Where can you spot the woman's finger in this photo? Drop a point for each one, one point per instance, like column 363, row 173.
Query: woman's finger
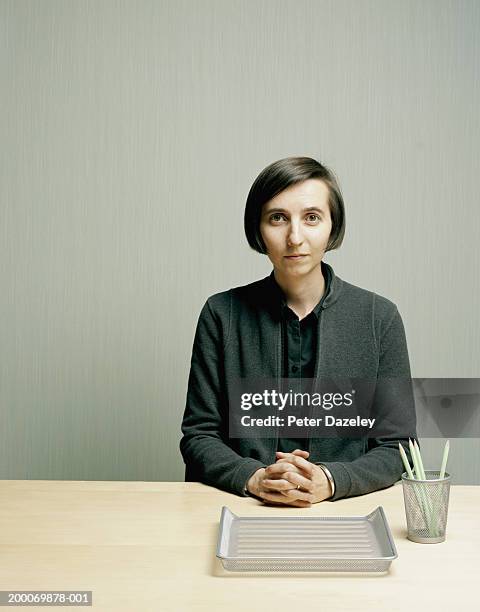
column 301, row 453
column 277, row 469
column 298, row 494
column 278, row 498
column 277, row 484
column 296, row 479
column 288, row 480
column 299, row 462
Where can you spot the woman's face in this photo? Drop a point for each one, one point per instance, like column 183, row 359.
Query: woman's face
column 295, row 227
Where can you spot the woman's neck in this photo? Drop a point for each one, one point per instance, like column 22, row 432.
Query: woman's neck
column 302, row 293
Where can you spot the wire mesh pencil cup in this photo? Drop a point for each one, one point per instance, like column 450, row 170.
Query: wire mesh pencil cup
column 426, row 507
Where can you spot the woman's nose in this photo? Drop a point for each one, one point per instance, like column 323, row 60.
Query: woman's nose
column 294, row 236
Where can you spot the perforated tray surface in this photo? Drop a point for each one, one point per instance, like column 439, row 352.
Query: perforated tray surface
column 320, row 543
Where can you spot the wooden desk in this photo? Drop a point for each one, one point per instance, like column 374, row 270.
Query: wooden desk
column 151, row 546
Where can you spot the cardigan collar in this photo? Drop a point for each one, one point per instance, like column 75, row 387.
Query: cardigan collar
column 276, row 297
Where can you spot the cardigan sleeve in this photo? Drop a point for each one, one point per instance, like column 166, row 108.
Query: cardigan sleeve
column 207, row 457
column 381, row 465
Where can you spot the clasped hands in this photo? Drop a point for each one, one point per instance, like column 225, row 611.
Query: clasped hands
column 290, row 481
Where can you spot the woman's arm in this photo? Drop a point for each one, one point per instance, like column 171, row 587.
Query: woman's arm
column 207, row 456
column 381, row 465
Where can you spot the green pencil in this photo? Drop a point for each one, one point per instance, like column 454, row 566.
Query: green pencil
column 403, row 454
column 444, row 460
column 420, row 462
column 413, row 453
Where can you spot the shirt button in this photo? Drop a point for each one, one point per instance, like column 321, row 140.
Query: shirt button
column 294, row 368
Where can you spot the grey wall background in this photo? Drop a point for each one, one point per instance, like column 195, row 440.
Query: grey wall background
column 130, row 135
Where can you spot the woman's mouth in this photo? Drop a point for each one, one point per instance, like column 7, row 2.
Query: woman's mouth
column 295, row 257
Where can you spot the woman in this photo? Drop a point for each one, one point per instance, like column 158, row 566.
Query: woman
column 301, row 321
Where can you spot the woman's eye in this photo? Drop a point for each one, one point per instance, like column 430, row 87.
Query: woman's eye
column 276, row 217
column 313, row 218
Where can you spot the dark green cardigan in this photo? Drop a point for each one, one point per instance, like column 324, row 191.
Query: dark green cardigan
column 238, row 335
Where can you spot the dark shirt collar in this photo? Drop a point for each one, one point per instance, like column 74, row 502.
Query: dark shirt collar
column 279, row 297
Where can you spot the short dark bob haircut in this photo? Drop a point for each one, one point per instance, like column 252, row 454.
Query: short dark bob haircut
column 279, row 176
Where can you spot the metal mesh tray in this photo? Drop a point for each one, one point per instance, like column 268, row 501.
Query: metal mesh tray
column 320, row 543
